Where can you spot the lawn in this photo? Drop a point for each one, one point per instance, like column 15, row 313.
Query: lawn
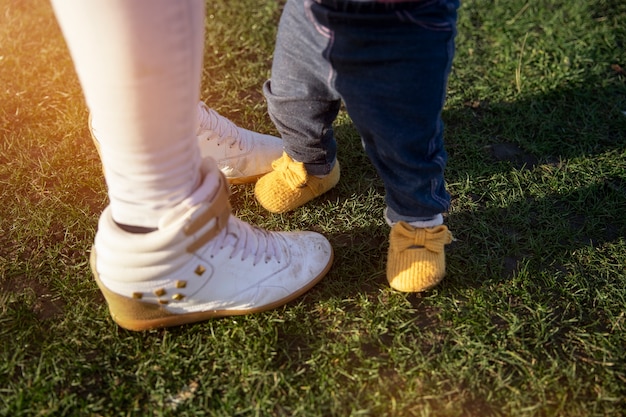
column 530, row 320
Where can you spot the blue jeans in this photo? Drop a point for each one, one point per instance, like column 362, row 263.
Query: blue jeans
column 389, row 64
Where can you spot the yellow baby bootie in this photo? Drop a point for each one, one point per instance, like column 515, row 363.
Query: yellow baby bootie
column 289, row 186
column 416, row 260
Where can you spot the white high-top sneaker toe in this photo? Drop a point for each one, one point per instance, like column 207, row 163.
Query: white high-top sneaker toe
column 202, row 263
column 242, row 155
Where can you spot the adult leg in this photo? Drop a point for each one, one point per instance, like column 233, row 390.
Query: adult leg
column 139, row 66
column 167, row 250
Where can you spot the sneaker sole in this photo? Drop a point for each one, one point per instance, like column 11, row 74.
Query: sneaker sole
column 132, row 314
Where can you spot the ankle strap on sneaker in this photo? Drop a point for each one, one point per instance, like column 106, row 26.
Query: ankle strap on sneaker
column 219, row 210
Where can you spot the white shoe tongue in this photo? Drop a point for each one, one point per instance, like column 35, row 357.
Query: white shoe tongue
column 205, row 192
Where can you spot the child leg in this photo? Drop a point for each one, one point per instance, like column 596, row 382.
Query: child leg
column 303, row 106
column 392, row 63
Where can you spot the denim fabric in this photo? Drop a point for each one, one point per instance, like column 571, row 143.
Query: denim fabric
column 389, row 63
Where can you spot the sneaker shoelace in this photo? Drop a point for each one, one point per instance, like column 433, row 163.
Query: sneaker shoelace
column 249, row 240
column 220, row 128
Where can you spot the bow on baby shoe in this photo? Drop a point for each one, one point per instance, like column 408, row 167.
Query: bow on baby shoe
column 434, row 239
column 294, row 173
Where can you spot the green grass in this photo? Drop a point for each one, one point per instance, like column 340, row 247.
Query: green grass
column 530, row 321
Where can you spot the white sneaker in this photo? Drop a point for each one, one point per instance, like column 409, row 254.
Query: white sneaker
column 202, row 263
column 242, row 155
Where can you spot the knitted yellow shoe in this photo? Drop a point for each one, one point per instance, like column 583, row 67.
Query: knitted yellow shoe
column 289, row 186
column 416, row 259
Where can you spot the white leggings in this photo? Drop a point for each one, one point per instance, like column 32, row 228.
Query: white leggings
column 139, row 63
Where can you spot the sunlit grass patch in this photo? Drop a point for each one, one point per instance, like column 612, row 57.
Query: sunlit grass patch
column 530, row 320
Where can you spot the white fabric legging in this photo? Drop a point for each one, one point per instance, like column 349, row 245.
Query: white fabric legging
column 139, row 63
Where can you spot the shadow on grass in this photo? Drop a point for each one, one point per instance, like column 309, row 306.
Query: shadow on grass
column 540, row 137
column 539, row 241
